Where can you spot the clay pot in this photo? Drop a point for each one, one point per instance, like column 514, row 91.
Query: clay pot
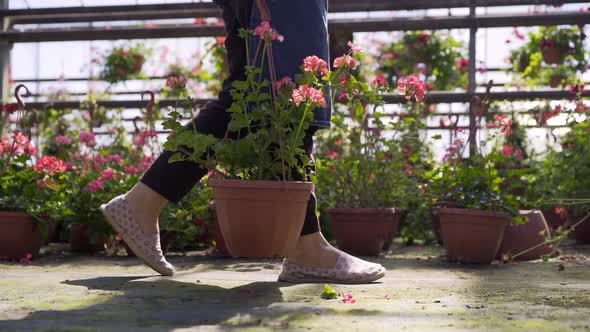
column 582, row 231
column 472, row 236
column 216, row 235
column 19, row 235
column 81, row 241
column 260, row 219
column 391, row 226
column 52, row 232
column 436, row 226
column 364, row 232
column 519, row 238
column 555, row 81
column 553, row 55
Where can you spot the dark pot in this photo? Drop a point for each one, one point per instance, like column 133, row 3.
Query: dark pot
column 472, row 236
column 52, row 232
column 364, row 232
column 519, row 238
column 436, row 226
column 582, row 231
column 554, row 219
column 553, row 55
column 19, row 235
column 81, row 241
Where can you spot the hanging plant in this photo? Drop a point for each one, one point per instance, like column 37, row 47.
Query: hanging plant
column 124, row 63
column 560, row 49
column 438, row 57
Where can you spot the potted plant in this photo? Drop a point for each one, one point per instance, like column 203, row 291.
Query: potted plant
column 27, row 191
column 364, row 176
column 257, row 179
column 559, row 47
column 440, row 58
column 124, row 63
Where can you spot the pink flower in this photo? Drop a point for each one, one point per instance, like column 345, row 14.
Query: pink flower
column 267, row 33
column 63, row 140
column 518, row 34
column 508, row 150
column 345, row 61
column 115, row 158
column 354, row 48
column 462, row 64
column 146, row 162
column 26, row 260
column 50, row 165
column 107, row 174
column 380, row 80
column 501, row 122
column 285, row 84
column 307, row 94
column 547, row 43
column 8, row 108
column 348, row 298
column 333, row 154
column 94, row 186
column 87, row 138
column 315, row 65
column 412, row 87
column 143, row 137
column 176, row 82
column 132, row 170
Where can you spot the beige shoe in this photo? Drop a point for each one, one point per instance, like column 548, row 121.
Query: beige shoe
column 348, row 270
column 145, row 246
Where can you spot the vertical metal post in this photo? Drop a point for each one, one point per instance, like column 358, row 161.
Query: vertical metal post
column 472, row 84
column 5, row 48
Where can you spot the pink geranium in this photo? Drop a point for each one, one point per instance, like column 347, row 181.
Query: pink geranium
column 380, row 80
column 87, row 138
column 132, row 170
column 63, row 140
column 267, row 33
column 308, row 94
column 96, row 185
column 315, row 65
column 50, row 165
column 354, row 48
column 345, row 61
column 176, row 82
column 412, row 87
column 285, row 84
column 107, row 174
column 501, row 122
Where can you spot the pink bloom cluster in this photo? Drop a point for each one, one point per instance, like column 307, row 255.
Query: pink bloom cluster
column 88, row 138
column 348, row 298
column 345, row 61
column 412, row 87
column 380, row 80
column 142, row 138
column 305, row 93
column 315, row 65
column 462, row 64
column 509, row 151
column 63, row 140
column 50, row 165
column 146, row 162
column 132, row 170
column 176, row 82
column 267, row 33
column 94, row 186
column 502, row 123
column 285, row 84
column 354, row 48
column 8, row 108
column 17, row 145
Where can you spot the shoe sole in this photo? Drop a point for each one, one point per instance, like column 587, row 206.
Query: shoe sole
column 103, row 209
column 313, row 280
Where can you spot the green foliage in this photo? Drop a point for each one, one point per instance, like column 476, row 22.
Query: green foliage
column 441, row 55
column 528, row 59
column 329, row 293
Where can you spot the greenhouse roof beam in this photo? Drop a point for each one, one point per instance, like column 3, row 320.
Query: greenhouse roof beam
column 356, row 25
column 433, row 97
column 208, row 9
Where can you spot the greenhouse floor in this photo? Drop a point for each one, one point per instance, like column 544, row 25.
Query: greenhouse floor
column 421, row 292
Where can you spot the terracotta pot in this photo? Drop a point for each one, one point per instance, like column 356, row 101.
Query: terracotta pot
column 553, row 55
column 391, row 226
column 555, row 81
column 19, row 235
column 519, row 238
column 52, row 231
column 81, row 242
column 260, row 219
column 582, row 231
column 436, row 226
column 216, row 235
column 363, row 232
column 472, row 236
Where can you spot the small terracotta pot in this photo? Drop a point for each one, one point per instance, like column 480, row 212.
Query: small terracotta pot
column 216, row 235
column 260, row 219
column 582, row 231
column 19, row 235
column 391, row 226
column 519, row 238
column 81, row 242
column 363, row 232
column 472, row 236
column 553, row 55
column 436, row 226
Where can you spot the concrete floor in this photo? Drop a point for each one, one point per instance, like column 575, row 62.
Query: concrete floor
column 421, row 292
